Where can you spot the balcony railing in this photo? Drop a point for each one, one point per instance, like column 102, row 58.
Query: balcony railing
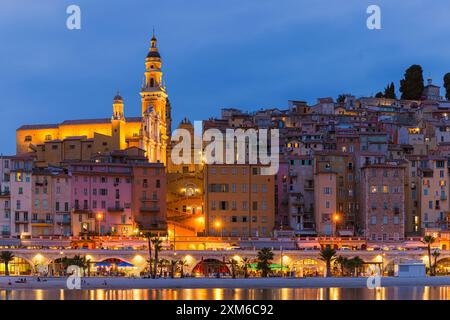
column 44, row 221
column 116, row 209
column 150, row 209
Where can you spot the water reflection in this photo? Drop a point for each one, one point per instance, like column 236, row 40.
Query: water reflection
column 390, row 293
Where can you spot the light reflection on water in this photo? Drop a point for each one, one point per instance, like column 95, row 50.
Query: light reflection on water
column 388, row 293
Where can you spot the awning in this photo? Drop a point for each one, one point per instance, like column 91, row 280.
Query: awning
column 124, row 264
column 103, row 264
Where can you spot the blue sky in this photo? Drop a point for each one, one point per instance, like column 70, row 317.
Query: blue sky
column 234, row 53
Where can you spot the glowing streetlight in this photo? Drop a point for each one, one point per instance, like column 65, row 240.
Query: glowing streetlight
column 336, row 219
column 99, row 218
column 218, row 225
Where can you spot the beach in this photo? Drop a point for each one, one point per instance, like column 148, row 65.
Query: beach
column 193, row 283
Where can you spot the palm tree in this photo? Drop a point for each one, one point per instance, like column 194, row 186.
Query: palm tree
column 182, row 264
column 245, row 266
column 343, row 263
column 264, row 259
column 429, row 240
column 6, row 257
column 356, row 264
column 233, row 264
column 327, row 255
column 435, row 255
column 157, row 246
column 163, row 263
column 173, row 266
column 149, row 236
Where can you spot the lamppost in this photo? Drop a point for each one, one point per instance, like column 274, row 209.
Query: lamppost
column 281, row 260
column 335, row 220
column 218, row 225
column 99, row 219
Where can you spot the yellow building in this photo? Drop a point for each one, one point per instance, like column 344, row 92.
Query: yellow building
column 80, row 139
column 239, row 201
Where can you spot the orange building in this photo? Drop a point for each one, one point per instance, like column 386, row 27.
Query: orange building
column 80, row 139
column 239, row 201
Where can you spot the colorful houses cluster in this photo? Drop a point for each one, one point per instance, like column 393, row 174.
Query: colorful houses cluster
column 366, row 167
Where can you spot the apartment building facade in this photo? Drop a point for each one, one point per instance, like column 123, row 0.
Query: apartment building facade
column 239, row 201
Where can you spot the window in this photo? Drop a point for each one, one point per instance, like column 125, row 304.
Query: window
column 255, row 205
column 396, row 219
column 213, row 205
column 28, row 138
column 385, row 219
column 373, row 220
column 327, row 190
column 254, row 188
column 385, row 189
column 223, row 205
column 263, row 188
column 373, row 189
column 158, row 183
column 263, row 205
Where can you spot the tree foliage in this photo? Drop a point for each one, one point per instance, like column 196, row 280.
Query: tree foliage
column 412, row 85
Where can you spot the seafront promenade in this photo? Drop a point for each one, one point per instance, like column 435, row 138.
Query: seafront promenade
column 195, row 283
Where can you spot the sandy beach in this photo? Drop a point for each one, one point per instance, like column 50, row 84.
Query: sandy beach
column 191, row 283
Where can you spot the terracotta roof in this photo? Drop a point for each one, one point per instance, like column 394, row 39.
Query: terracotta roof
column 74, row 122
column 38, row 126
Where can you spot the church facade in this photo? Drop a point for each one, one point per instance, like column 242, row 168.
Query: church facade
column 79, row 140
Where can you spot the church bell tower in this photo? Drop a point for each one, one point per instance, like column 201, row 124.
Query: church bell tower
column 155, row 107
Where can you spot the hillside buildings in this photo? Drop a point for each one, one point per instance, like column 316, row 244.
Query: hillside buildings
column 366, row 167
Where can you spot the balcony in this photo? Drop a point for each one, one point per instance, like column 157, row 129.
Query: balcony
column 149, row 209
column 150, row 199
column 42, row 221
column 116, row 209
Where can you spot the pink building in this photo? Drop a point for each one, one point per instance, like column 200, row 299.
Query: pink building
column 101, row 198
column 383, row 202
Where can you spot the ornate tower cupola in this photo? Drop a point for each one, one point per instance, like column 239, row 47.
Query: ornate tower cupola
column 118, row 108
column 155, row 107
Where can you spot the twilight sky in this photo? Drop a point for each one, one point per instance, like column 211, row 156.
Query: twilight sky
column 235, row 53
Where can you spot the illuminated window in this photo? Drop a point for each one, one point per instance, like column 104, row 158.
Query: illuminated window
column 385, row 189
column 19, row 177
column 373, row 189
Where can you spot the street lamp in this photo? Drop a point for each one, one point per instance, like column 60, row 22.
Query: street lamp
column 99, row 218
column 336, row 220
column 219, row 225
